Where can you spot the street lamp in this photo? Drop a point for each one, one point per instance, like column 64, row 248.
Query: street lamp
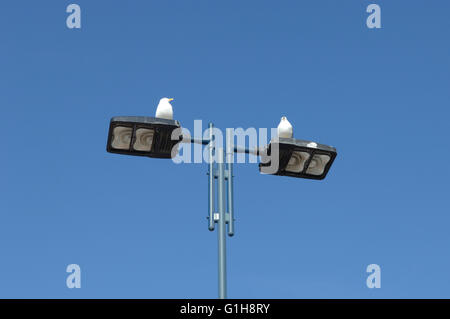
column 298, row 158
column 143, row 136
column 159, row 138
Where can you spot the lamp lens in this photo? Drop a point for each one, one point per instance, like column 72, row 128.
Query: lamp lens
column 144, row 139
column 297, row 162
column 121, row 137
column 317, row 164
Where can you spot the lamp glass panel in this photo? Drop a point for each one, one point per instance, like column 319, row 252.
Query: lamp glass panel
column 144, row 139
column 297, row 162
column 317, row 164
column 121, row 137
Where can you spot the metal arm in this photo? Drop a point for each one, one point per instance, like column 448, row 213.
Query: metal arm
column 188, row 139
column 236, row 149
column 245, row 150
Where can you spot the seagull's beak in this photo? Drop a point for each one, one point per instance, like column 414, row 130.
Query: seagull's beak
column 170, row 100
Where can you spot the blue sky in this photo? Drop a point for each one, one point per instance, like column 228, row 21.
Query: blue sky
column 137, row 226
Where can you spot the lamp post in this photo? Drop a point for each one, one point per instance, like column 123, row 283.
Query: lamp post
column 159, row 138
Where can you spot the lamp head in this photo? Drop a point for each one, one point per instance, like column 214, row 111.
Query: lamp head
column 143, row 136
column 297, row 158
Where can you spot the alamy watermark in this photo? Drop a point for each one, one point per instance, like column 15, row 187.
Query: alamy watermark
column 73, row 21
column 74, row 278
column 374, row 19
column 241, row 145
column 374, row 279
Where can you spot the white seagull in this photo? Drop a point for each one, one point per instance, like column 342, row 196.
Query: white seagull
column 164, row 109
column 285, row 128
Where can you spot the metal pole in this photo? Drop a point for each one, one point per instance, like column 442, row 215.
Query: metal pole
column 230, row 157
column 222, row 222
column 211, row 180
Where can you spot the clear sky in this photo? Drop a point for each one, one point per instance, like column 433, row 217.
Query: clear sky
column 137, row 226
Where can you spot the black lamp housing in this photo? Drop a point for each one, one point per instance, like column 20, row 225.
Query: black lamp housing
column 299, row 158
column 143, row 136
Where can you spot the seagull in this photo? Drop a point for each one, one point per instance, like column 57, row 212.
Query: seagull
column 164, row 109
column 284, row 128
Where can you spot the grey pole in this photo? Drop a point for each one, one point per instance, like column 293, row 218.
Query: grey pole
column 224, row 176
column 230, row 157
column 221, row 233
column 211, row 174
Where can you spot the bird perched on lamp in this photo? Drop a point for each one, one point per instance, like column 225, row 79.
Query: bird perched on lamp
column 164, row 109
column 285, row 129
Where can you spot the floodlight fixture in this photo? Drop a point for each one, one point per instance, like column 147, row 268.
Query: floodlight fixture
column 144, row 136
column 297, row 158
column 159, row 138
